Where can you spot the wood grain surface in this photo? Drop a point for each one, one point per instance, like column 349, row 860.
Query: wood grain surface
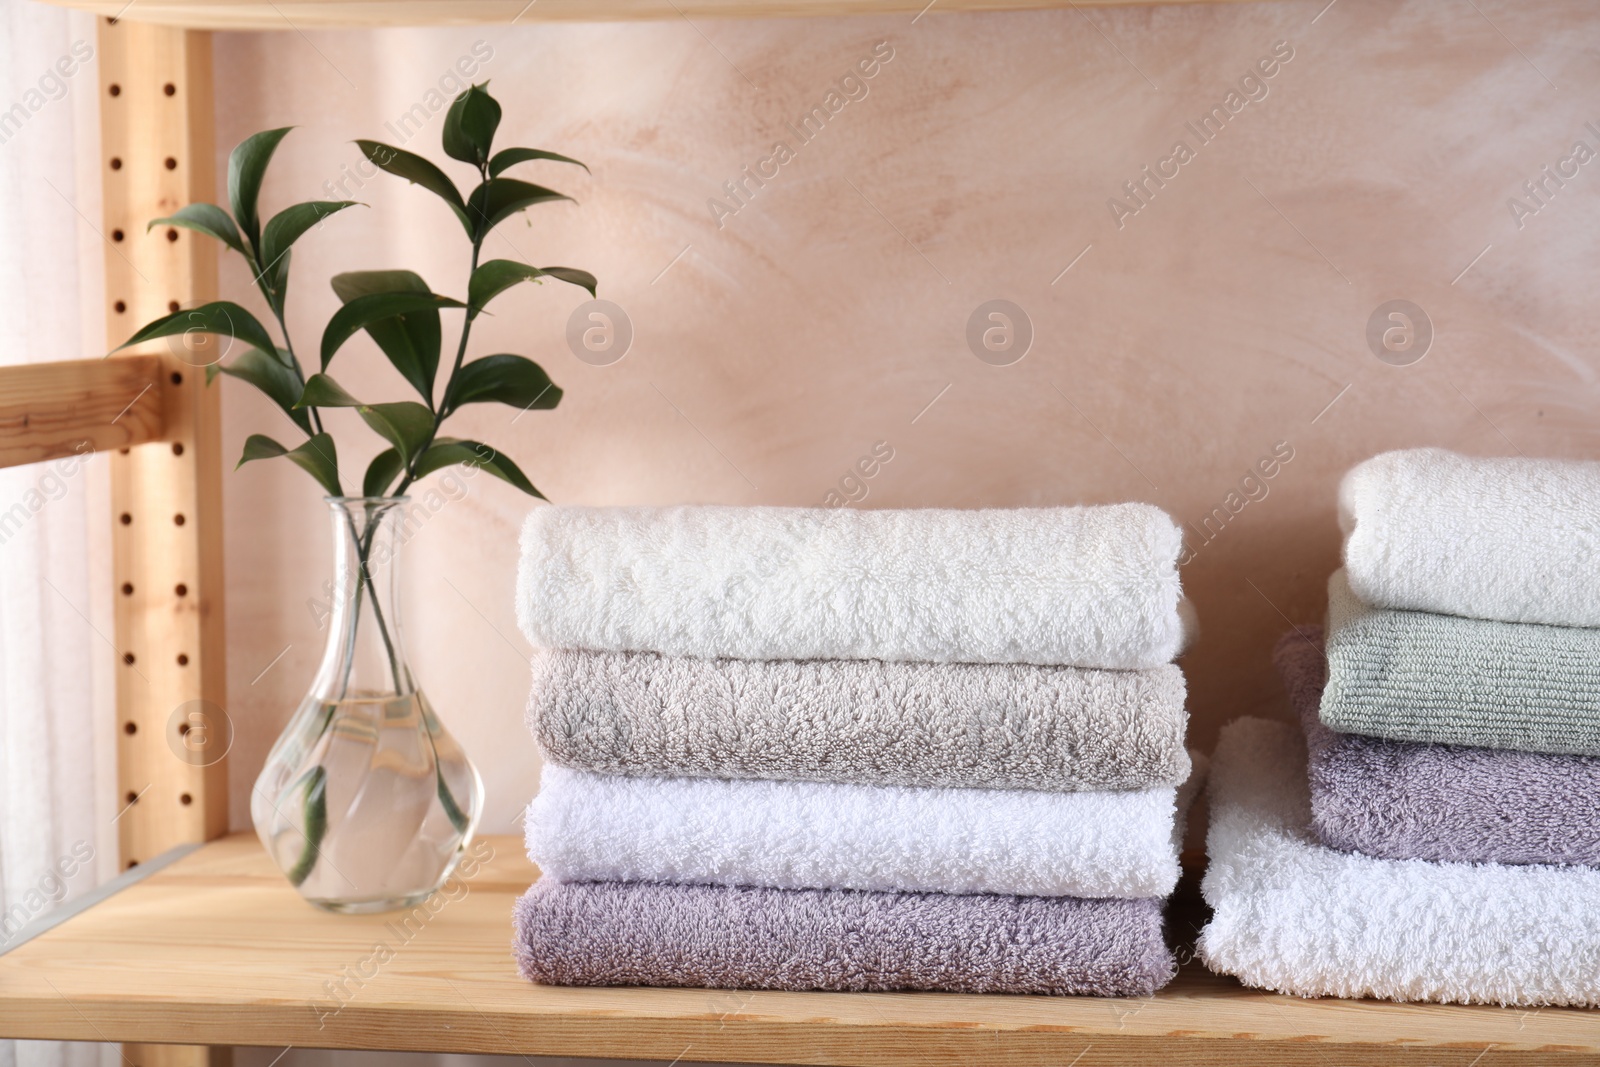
column 217, row 948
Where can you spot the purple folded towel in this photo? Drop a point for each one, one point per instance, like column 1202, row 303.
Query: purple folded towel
column 721, row 937
column 1452, row 803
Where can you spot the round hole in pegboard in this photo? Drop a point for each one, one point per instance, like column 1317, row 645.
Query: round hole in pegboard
column 172, row 306
column 171, row 164
column 116, row 162
column 181, row 589
column 127, row 588
column 130, row 728
column 120, row 306
column 131, row 863
column 127, row 657
column 170, row 89
column 116, row 235
column 131, row 797
column 183, row 659
column 172, row 234
column 185, row 799
column 125, row 518
column 177, row 378
column 114, row 89
column 177, row 448
column 178, row 519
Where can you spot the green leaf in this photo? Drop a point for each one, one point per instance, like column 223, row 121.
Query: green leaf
column 415, row 169
column 247, row 165
column 412, row 345
column 469, row 126
column 573, row 276
column 381, row 472
column 499, row 198
column 270, row 375
column 276, row 280
column 407, row 425
column 322, row 391
column 288, row 225
column 510, row 157
column 411, row 341
column 208, row 219
column 317, row 457
column 221, row 318
column 502, row 379
column 496, row 276
column 449, row 451
column 314, row 815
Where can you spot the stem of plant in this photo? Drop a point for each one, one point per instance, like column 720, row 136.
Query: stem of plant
column 365, row 539
column 283, row 327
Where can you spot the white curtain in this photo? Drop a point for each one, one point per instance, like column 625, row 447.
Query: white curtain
column 56, row 717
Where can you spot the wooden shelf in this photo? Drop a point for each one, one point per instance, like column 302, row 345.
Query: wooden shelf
column 371, row 14
column 217, row 949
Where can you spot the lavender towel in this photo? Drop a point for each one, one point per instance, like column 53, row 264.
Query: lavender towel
column 652, row 934
column 1451, row 803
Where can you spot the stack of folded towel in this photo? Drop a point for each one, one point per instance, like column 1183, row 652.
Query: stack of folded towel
column 1448, row 846
column 830, row 749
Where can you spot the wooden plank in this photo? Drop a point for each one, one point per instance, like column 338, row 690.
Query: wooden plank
column 172, row 731
column 219, row 948
column 166, row 498
column 343, row 14
column 51, row 410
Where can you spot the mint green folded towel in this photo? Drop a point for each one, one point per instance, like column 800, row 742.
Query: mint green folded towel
column 1415, row 676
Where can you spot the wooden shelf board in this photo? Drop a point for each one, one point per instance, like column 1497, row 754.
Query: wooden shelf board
column 216, row 949
column 371, row 14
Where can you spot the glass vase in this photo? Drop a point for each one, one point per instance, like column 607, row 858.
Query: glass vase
column 366, row 802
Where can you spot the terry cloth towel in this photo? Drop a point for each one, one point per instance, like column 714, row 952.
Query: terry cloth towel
column 1293, row 915
column 1404, row 800
column 585, row 827
column 1511, row 539
column 1414, row 676
column 1086, row 586
column 640, row 934
column 1001, row 726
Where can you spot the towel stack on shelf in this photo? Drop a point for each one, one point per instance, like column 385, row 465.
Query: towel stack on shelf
column 1448, row 846
column 829, row 749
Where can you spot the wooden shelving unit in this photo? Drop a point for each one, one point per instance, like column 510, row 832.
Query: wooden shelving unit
column 217, row 948
column 371, row 14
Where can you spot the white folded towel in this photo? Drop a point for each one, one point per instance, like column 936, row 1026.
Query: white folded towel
column 1085, row 587
column 585, row 827
column 1517, row 540
column 1296, row 916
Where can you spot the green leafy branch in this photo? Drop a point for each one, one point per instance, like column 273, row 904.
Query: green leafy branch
column 395, row 308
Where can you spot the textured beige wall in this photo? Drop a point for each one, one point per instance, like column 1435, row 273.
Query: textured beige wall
column 830, row 313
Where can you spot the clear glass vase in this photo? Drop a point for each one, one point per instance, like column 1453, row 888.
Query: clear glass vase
column 366, row 802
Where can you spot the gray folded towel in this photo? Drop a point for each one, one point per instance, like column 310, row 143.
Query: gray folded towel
column 1414, row 676
column 998, row 726
column 652, row 934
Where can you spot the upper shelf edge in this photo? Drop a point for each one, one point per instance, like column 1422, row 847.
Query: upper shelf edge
column 374, row 14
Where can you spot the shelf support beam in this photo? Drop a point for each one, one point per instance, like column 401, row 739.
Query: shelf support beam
column 172, row 731
column 55, row 410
